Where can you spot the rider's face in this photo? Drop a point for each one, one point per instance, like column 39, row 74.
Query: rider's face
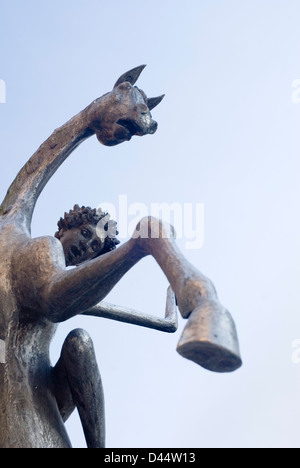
column 81, row 244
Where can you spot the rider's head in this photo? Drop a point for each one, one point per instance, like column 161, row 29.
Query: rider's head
column 85, row 234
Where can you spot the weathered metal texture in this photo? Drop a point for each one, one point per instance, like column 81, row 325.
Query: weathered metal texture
column 210, row 338
column 37, row 291
column 168, row 324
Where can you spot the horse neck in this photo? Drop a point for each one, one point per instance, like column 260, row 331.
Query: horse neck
column 23, row 193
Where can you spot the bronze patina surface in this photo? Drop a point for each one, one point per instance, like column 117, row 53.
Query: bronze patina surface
column 37, row 291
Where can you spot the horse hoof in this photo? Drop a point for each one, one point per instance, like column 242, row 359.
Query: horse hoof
column 210, row 339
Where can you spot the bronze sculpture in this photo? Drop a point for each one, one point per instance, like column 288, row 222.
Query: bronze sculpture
column 37, row 291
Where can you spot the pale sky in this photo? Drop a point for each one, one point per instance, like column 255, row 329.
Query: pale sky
column 229, row 141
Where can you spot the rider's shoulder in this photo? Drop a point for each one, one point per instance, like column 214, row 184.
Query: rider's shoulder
column 48, row 247
column 49, row 241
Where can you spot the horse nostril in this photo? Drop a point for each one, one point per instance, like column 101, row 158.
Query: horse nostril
column 153, row 127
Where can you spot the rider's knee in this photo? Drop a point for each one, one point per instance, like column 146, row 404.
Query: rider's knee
column 78, row 344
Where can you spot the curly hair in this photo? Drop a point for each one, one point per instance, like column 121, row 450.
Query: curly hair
column 79, row 216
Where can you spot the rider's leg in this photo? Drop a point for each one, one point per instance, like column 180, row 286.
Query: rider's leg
column 77, row 383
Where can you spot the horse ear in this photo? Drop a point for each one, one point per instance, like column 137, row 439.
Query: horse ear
column 131, row 76
column 153, row 102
